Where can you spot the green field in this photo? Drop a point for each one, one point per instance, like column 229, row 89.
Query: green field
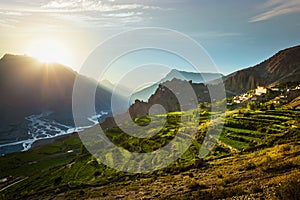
column 261, row 146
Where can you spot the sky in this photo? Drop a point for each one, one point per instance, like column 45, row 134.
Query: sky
column 235, row 33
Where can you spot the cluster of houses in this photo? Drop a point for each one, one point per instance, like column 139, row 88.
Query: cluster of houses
column 260, row 94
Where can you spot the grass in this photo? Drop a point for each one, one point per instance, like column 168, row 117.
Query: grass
column 267, row 170
column 244, row 137
column 241, row 131
column 234, row 143
column 224, row 178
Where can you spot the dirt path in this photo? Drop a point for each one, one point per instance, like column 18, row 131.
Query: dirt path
column 228, row 146
column 14, row 183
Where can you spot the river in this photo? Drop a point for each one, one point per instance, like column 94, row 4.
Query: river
column 41, row 127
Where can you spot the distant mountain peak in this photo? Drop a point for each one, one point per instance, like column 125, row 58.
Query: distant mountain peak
column 9, row 56
column 195, row 77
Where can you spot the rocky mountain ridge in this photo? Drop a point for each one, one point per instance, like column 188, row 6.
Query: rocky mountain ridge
column 283, row 67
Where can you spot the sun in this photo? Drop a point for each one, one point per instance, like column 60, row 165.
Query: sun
column 49, row 50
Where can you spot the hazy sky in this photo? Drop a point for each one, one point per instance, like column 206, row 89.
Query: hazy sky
column 236, row 33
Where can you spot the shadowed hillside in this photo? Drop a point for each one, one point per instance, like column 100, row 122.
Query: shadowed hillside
column 29, row 87
column 283, row 67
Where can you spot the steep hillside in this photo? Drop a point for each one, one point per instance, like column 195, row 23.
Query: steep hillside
column 167, row 95
column 256, row 157
column 29, row 87
column 294, row 104
column 283, row 67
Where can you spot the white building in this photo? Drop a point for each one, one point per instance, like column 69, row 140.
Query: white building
column 260, row 90
column 275, row 89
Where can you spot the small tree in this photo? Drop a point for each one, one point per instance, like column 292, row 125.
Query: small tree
column 272, row 107
column 252, row 105
column 83, row 150
column 202, row 106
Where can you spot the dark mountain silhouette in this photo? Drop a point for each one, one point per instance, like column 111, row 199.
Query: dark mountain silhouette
column 283, row 67
column 145, row 93
column 169, row 99
column 167, row 95
column 29, row 87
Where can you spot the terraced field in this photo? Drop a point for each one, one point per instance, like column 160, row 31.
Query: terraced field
column 261, row 145
column 243, row 131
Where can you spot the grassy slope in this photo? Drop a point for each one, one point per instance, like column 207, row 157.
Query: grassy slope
column 257, row 154
column 295, row 104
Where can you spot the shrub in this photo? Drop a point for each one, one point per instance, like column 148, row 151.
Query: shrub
column 250, row 166
column 252, row 106
column 97, row 173
column 285, row 148
column 57, row 181
column 247, row 114
column 220, row 176
column 94, row 163
column 290, row 189
column 193, row 185
column 256, row 188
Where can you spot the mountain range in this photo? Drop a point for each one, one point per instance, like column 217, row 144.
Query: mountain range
column 195, row 77
column 283, row 67
column 29, row 87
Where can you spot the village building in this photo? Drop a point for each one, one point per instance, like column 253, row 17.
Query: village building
column 260, row 90
column 275, row 89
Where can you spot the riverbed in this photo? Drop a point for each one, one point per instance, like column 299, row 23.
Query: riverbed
column 42, row 127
